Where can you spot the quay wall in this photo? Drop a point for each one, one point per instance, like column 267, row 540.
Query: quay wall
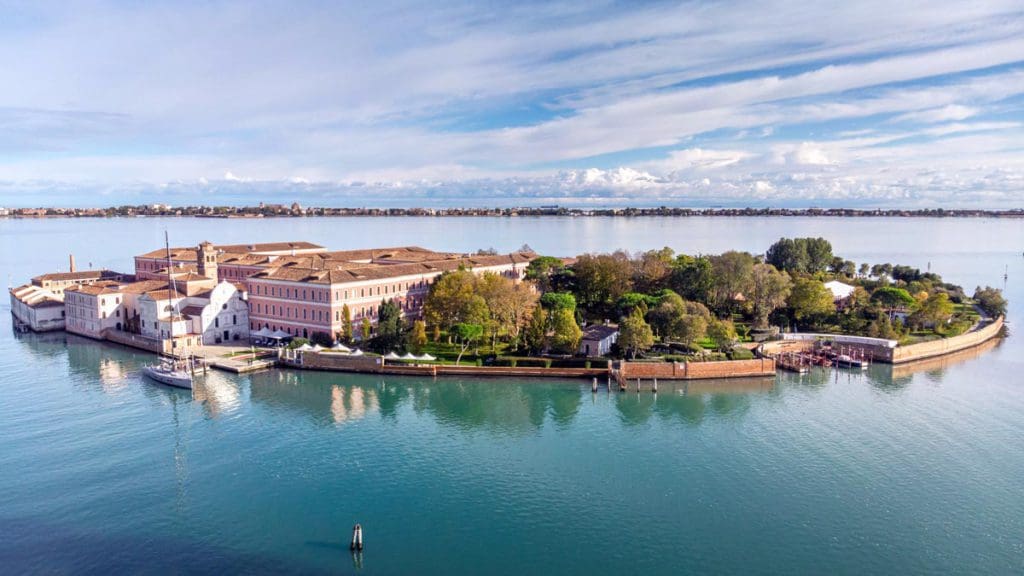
column 376, row 365
column 133, row 340
column 697, row 370
column 934, row 348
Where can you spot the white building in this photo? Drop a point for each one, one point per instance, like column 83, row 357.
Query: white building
column 839, row 290
column 37, row 308
column 213, row 316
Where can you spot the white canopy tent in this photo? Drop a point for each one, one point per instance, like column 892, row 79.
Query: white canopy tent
column 339, row 347
column 391, row 356
column 427, row 357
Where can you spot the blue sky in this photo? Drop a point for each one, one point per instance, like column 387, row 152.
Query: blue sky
column 862, row 103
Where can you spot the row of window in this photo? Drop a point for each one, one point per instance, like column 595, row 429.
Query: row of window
column 318, row 295
column 408, row 305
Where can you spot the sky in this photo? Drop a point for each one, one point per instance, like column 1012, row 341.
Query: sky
column 856, row 104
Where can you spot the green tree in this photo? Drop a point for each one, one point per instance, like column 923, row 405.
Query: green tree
column 769, row 290
column 990, row 300
column 566, row 333
column 346, row 324
column 801, row 255
column 537, row 330
column 465, row 335
column 389, row 327
column 417, row 339
column 635, row 334
column 451, row 301
column 691, row 327
column 892, row 297
column 723, row 334
column 936, row 310
column 558, row 301
column 367, row 329
column 809, row 299
column 733, row 277
column 601, row 279
column 692, row 277
column 652, row 270
column 541, row 270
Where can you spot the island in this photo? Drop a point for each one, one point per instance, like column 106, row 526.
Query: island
column 620, row 315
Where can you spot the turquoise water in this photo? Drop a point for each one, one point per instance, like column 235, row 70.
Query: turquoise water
column 915, row 471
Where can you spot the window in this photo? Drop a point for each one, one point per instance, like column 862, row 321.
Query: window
column 234, row 319
column 224, row 306
column 216, row 322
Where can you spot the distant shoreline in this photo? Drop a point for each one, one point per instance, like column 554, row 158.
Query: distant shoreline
column 296, row 211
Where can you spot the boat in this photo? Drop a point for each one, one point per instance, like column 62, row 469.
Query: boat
column 169, row 370
column 846, row 361
column 167, row 373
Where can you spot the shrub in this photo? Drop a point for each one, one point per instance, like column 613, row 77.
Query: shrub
column 741, row 354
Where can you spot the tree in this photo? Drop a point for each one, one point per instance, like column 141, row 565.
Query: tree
column 635, row 335
column 496, row 290
column 692, row 277
column 990, row 300
column 566, row 333
column 809, row 299
column 346, row 324
column 665, row 317
column 935, row 310
column 465, row 335
column 691, row 327
column 542, row 269
column 601, row 279
column 537, row 330
column 892, row 297
column 723, row 333
column 558, row 301
column 652, row 270
column 417, row 338
column 389, row 327
column 770, row 288
column 864, row 269
column 367, row 329
column 450, row 300
column 803, row 255
column 733, row 275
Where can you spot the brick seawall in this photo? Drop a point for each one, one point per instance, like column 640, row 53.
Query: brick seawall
column 698, row 370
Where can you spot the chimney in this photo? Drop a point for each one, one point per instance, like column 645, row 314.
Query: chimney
column 71, row 262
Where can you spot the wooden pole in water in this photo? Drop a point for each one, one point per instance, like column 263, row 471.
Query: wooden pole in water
column 357, row 538
column 654, row 386
column 593, row 385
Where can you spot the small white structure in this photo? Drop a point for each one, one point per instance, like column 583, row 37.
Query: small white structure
column 839, row 290
column 598, row 339
column 37, row 308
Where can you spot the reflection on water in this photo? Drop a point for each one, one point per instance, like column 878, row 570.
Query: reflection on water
column 218, row 393
column 689, row 402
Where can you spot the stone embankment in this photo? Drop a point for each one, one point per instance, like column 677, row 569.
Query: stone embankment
column 887, row 351
column 913, row 352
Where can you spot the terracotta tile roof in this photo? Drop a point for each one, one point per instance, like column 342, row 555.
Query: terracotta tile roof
column 36, row 297
column 192, row 311
column 97, row 288
column 599, row 331
column 189, row 254
column 143, row 286
column 81, row 275
column 295, row 273
column 164, row 294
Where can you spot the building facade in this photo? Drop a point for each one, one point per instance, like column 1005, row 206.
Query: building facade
column 36, row 309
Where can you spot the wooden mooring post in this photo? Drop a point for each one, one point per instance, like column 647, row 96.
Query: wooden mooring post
column 357, row 538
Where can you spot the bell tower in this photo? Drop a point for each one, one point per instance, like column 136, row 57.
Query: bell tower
column 206, row 256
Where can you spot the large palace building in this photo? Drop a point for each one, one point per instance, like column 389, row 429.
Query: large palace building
column 301, row 288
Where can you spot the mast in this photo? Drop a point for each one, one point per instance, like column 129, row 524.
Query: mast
column 170, row 284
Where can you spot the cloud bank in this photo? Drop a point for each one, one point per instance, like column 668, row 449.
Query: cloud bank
column 766, row 103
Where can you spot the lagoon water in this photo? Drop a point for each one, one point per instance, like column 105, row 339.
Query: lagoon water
column 912, row 470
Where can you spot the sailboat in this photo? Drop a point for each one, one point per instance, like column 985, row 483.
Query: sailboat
column 169, row 370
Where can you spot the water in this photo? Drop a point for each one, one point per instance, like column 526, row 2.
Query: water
column 894, row 471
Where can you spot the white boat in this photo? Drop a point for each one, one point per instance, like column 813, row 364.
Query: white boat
column 169, row 371
column 169, row 375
